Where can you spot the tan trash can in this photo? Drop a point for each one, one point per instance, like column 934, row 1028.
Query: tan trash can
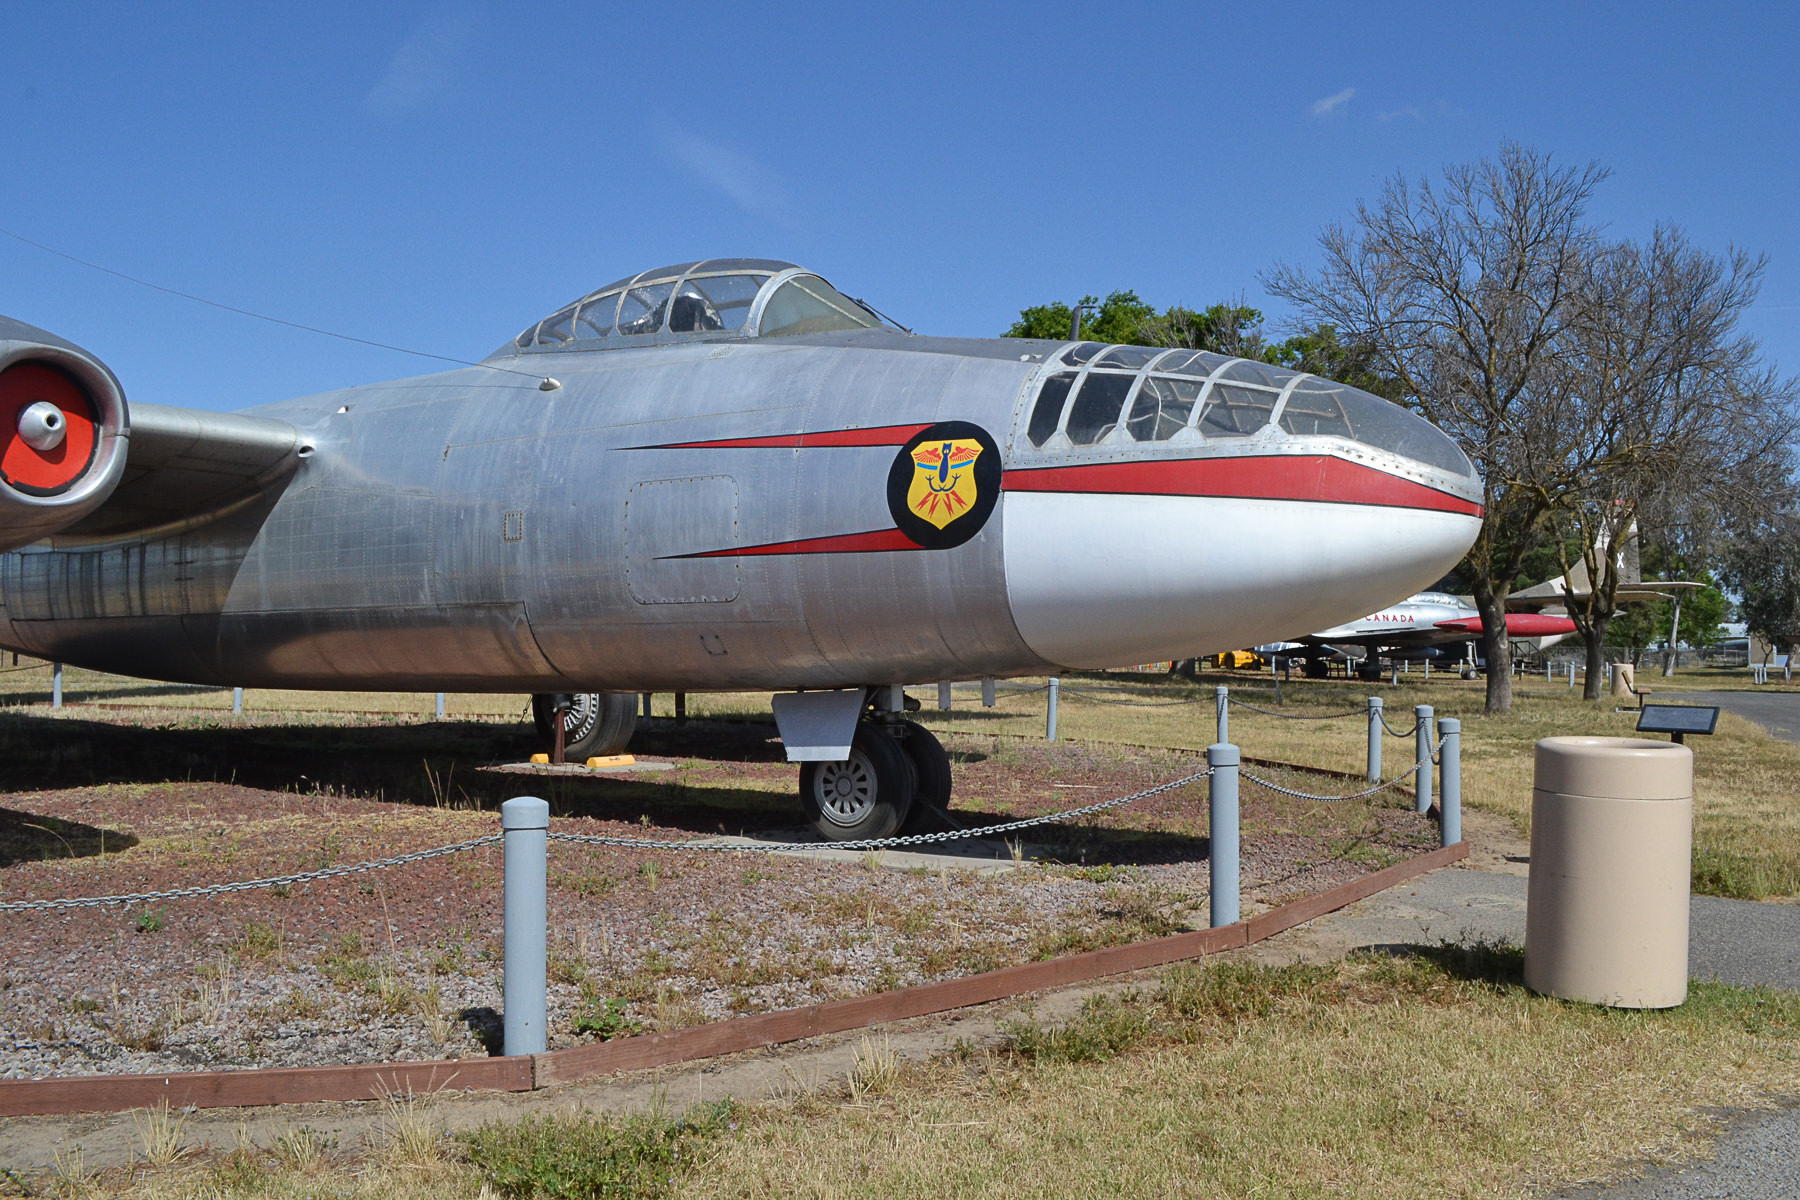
column 1624, row 680
column 1612, row 829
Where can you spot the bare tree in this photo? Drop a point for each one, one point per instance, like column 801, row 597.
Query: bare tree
column 1665, row 403
column 1462, row 293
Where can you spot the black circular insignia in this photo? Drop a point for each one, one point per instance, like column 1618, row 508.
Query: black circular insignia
column 944, row 483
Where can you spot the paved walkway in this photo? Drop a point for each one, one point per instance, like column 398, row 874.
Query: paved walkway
column 1736, row 941
column 1778, row 712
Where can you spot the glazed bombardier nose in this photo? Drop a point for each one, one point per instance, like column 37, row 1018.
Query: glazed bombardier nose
column 42, row 427
column 1171, row 503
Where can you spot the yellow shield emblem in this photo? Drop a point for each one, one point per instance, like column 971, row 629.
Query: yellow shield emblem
column 943, row 482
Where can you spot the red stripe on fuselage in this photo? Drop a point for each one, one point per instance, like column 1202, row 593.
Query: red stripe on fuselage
column 873, row 541
column 1322, row 478
column 880, row 435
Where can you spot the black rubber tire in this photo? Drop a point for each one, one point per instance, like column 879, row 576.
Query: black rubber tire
column 867, row 795
column 1315, row 668
column 596, row 725
column 931, row 800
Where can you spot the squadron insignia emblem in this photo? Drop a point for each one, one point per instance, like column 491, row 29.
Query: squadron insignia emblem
column 943, row 484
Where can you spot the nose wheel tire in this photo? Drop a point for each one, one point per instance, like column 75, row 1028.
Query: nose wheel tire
column 867, row 795
column 931, row 801
column 596, row 723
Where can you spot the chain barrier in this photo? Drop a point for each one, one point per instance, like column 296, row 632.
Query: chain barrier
column 916, row 839
column 1380, row 787
column 1089, row 696
column 1399, row 733
column 1355, row 712
column 219, row 889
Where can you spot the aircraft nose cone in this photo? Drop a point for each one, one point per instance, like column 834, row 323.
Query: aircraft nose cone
column 1111, row 564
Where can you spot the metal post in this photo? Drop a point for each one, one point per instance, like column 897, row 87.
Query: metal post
column 56, row 686
column 525, row 822
column 1428, row 670
column 987, row 691
column 1374, row 739
column 944, row 696
column 1674, row 658
column 237, row 701
column 1224, row 697
column 1222, row 834
column 1422, row 783
column 1050, row 715
column 681, row 708
column 1571, row 676
column 1450, row 799
column 645, row 697
column 440, row 705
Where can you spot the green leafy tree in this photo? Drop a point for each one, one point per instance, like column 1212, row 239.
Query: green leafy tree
column 1764, row 567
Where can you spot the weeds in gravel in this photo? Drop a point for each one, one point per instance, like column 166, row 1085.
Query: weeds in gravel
column 604, row 1018
column 152, row 920
column 259, row 941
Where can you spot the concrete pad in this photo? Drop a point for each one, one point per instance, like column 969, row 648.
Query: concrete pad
column 1735, row 941
column 530, row 768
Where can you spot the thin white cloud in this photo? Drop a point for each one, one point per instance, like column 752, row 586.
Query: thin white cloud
column 1410, row 110
column 747, row 183
column 424, row 69
column 1333, row 102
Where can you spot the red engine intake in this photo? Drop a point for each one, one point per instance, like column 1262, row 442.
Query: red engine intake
column 64, row 429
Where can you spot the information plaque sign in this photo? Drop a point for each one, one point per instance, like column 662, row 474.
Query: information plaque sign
column 1677, row 720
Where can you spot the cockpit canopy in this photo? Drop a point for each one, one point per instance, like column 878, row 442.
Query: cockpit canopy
column 1095, row 394
column 715, row 299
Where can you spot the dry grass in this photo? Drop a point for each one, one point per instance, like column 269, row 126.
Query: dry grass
column 1373, row 1079
column 1746, row 824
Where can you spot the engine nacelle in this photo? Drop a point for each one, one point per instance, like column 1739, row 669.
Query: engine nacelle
column 64, row 431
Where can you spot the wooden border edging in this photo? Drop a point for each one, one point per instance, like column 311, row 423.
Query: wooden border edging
column 271, row 1085
column 369, row 1081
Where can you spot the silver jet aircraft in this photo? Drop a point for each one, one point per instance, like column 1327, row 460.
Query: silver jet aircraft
column 724, row 475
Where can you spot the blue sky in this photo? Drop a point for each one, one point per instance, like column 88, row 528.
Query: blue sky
column 439, row 175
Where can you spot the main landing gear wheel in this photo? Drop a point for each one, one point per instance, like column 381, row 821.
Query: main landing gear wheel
column 867, row 795
column 931, row 801
column 595, row 724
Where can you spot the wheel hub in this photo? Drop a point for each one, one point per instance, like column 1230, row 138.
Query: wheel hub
column 846, row 790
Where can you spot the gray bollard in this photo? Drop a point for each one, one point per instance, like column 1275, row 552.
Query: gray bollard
column 1428, row 670
column 1450, row 789
column 987, row 691
column 525, row 821
column 1374, row 739
column 944, row 696
column 237, row 701
column 440, row 706
column 1224, row 698
column 1422, row 782
column 1050, row 713
column 56, row 686
column 1222, row 834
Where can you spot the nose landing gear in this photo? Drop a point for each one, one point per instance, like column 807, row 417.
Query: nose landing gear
column 896, row 778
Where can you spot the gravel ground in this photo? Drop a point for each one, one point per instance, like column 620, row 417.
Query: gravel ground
column 404, row 963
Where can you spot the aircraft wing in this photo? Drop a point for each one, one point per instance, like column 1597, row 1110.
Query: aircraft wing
column 187, row 464
column 77, row 464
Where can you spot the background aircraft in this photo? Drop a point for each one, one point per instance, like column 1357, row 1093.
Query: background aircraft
column 722, row 475
column 1419, row 628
